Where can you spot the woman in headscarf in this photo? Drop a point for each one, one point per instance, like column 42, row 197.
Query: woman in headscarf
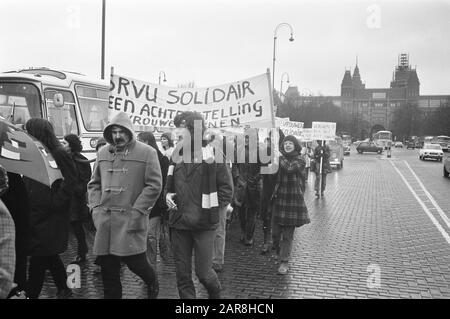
column 288, row 205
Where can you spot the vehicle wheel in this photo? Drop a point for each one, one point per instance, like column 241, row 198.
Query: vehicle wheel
column 445, row 172
column 360, row 152
column 420, row 157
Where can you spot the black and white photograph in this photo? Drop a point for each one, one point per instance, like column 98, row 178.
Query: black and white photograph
column 242, row 150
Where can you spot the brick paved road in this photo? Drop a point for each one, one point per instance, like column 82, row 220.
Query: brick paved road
column 368, row 218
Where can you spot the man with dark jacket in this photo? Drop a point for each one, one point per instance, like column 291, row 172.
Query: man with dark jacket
column 125, row 186
column 197, row 188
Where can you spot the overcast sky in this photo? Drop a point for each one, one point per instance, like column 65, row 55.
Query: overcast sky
column 214, row 42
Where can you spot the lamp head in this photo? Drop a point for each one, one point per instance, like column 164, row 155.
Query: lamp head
column 291, row 38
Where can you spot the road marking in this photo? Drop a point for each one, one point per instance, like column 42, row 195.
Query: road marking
column 424, row 207
column 432, row 200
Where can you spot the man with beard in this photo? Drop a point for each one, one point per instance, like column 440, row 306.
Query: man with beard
column 125, row 186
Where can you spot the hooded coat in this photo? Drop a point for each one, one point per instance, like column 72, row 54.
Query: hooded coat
column 124, row 187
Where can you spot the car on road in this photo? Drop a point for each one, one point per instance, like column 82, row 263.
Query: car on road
column 433, row 151
column 410, row 144
column 369, row 147
column 446, row 166
column 336, row 152
column 398, row 144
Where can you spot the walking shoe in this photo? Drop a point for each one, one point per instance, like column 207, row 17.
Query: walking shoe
column 217, row 267
column 153, row 289
column 321, row 194
column 65, row 293
column 317, row 194
column 19, row 295
column 283, row 269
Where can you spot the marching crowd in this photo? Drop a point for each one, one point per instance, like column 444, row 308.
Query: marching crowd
column 142, row 200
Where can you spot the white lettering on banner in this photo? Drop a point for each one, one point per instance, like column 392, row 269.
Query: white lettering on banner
column 245, row 102
column 323, row 131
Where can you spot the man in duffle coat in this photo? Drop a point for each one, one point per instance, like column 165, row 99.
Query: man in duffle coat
column 124, row 187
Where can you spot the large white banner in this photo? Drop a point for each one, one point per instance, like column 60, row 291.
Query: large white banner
column 324, row 131
column 245, row 102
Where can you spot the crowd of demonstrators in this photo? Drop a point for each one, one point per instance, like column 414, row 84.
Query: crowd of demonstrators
column 7, row 242
column 79, row 211
column 195, row 192
column 125, row 186
column 321, row 157
column 141, row 197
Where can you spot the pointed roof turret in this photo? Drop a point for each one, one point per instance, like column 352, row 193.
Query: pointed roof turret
column 347, row 80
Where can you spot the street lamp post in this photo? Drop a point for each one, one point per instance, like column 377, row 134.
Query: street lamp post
column 281, row 82
column 159, row 77
column 103, row 38
column 274, row 48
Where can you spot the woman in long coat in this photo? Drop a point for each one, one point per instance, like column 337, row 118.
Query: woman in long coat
column 49, row 215
column 288, row 205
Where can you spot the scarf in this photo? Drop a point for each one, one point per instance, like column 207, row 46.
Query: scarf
column 210, row 200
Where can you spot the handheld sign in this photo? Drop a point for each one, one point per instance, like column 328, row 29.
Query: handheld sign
column 325, row 131
column 291, row 128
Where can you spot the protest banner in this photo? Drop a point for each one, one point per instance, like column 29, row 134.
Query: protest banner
column 245, row 102
column 324, row 131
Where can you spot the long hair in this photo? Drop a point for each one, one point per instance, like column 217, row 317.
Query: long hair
column 168, row 136
column 42, row 130
column 149, row 139
column 74, row 143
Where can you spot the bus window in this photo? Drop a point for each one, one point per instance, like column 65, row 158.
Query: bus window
column 94, row 104
column 62, row 118
column 19, row 102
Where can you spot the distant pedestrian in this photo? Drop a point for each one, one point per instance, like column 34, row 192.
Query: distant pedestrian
column 307, row 154
column 321, row 156
column 159, row 211
column 125, row 186
column 79, row 210
column 49, row 215
column 167, row 144
column 289, row 208
column 195, row 192
column 7, row 242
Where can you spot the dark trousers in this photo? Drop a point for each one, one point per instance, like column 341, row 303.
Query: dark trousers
column 317, row 182
column 247, row 217
column 201, row 243
column 138, row 264
column 36, row 274
column 78, row 230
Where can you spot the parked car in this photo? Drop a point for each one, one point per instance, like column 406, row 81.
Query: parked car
column 446, row 166
column 398, row 144
column 369, row 147
column 433, row 151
